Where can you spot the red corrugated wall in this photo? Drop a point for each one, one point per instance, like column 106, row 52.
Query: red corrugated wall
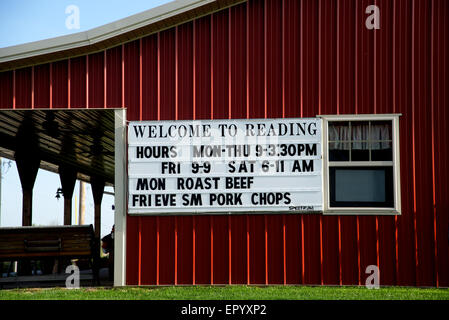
column 281, row 59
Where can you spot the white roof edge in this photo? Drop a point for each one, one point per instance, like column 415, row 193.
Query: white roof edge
column 101, row 33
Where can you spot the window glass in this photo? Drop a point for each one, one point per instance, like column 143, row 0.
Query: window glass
column 339, row 137
column 360, row 151
column 360, row 145
column 339, row 151
column 361, row 187
column 381, row 151
column 360, row 141
column 360, row 130
column 339, row 131
column 380, row 130
column 348, row 182
column 381, row 144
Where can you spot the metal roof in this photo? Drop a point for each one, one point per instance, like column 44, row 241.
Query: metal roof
column 109, row 35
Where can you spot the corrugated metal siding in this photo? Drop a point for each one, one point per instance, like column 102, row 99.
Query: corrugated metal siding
column 281, row 59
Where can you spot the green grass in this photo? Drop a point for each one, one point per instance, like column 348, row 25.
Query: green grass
column 228, row 293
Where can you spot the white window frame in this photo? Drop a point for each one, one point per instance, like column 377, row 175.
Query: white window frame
column 327, row 209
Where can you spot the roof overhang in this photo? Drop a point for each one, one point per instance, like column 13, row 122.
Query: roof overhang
column 82, row 139
column 109, row 35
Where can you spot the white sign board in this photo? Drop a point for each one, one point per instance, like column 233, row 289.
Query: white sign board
column 224, row 166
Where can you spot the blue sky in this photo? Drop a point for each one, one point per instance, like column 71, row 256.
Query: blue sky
column 24, row 21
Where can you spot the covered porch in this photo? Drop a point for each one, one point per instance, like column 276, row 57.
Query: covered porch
column 76, row 144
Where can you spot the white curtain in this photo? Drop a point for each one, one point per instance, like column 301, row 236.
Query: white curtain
column 340, row 136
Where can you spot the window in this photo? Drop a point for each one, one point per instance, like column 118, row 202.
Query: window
column 361, row 164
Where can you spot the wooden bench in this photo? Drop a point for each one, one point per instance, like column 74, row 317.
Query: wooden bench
column 34, row 243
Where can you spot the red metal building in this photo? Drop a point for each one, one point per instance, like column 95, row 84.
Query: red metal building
column 269, row 59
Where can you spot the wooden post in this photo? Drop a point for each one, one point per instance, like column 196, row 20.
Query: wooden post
column 97, row 192
column 27, row 166
column 28, row 162
column 67, row 176
column 27, row 206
